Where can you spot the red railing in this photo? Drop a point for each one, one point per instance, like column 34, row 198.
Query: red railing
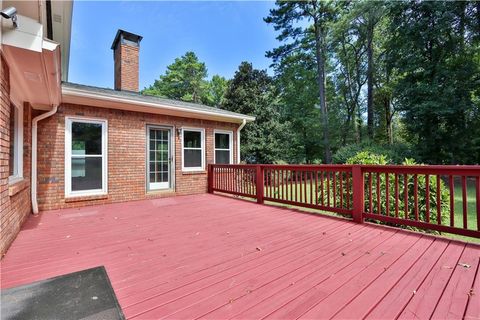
column 436, row 198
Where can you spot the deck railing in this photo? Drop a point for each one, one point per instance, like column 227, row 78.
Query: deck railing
column 435, row 198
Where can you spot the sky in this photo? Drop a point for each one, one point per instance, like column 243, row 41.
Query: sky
column 221, row 33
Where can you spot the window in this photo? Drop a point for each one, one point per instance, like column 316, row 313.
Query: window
column 85, row 157
column 223, row 147
column 15, row 159
column 193, row 149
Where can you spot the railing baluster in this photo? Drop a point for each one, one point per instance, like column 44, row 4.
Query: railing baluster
column 427, row 198
column 341, row 188
column 439, row 202
column 370, row 193
column 396, row 195
column 322, row 191
column 347, row 176
column 328, row 188
column 316, row 187
column 334, row 204
column 311, row 187
column 415, row 195
column 379, row 204
column 387, row 194
column 464, row 201
column 405, row 190
column 452, row 200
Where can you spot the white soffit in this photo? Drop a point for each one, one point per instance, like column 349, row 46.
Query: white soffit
column 34, row 63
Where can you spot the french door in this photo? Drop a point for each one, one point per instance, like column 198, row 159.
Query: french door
column 159, row 158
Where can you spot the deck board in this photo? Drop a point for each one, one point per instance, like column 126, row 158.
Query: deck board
column 215, row 257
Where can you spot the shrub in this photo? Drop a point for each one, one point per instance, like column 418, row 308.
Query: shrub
column 380, row 207
column 395, row 154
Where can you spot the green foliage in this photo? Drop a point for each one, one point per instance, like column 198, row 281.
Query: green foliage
column 216, row 89
column 365, row 157
column 395, row 154
column 252, row 92
column 185, row 79
column 434, row 47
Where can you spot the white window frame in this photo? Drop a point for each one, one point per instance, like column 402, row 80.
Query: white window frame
column 202, row 137
column 18, row 143
column 230, row 134
column 68, row 157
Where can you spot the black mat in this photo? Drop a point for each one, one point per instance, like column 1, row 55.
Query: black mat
column 86, row 294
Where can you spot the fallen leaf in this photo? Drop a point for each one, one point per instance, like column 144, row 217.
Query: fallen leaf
column 344, row 254
column 464, row 265
column 258, row 249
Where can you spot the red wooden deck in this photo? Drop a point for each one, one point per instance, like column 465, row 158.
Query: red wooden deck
column 209, row 256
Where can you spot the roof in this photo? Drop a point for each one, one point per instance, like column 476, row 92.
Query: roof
column 147, row 103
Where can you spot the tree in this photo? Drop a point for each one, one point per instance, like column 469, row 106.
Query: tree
column 185, row 79
column 251, row 92
column 433, row 47
column 215, row 93
column 286, row 18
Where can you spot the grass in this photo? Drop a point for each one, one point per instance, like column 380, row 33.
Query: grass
column 304, row 196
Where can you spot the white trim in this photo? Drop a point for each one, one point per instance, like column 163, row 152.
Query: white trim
column 202, row 137
column 171, row 181
column 69, row 95
column 18, row 145
column 244, row 122
column 68, row 156
column 230, row 143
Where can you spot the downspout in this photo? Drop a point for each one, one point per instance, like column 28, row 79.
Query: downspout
column 244, row 122
column 34, row 155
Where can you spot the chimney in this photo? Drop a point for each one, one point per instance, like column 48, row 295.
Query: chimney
column 125, row 48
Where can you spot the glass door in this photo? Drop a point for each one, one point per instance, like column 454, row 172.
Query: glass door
column 159, row 158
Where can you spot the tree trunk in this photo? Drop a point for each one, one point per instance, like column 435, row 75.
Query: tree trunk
column 319, row 52
column 370, row 80
column 388, row 120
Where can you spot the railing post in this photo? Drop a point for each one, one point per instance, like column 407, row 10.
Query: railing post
column 210, row 178
column 259, row 183
column 358, row 193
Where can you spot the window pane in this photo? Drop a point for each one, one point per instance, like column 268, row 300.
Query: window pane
column 222, row 157
column 86, row 138
column 192, row 139
column 222, row 141
column 86, row 173
column 11, row 158
column 192, row 158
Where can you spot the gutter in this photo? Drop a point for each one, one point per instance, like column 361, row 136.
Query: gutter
column 34, row 155
column 244, row 122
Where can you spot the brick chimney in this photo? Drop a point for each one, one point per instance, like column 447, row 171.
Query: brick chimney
column 125, row 48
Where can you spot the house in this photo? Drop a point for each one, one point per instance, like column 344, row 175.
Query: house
column 71, row 145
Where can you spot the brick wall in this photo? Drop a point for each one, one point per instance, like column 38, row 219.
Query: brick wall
column 15, row 205
column 126, row 67
column 126, row 156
